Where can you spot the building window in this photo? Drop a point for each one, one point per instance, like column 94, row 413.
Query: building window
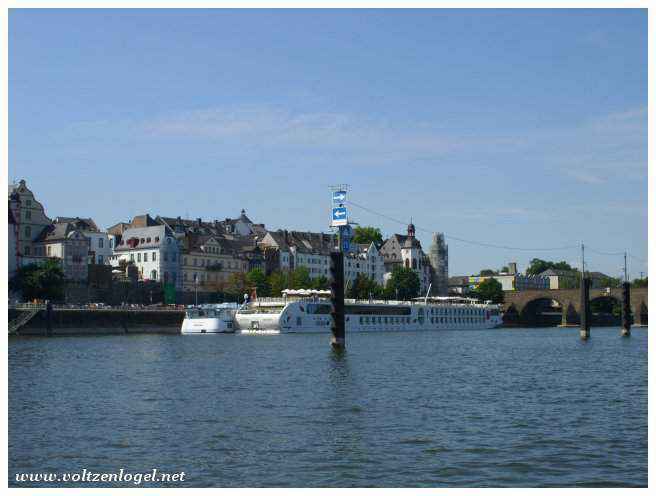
column 138, row 257
column 27, row 250
column 28, row 231
column 146, row 257
column 100, row 243
column 131, row 257
column 48, row 250
column 154, row 256
column 173, row 276
column 28, row 214
column 153, row 275
column 28, row 203
column 173, row 257
column 166, row 256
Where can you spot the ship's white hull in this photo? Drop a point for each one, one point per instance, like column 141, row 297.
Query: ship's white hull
column 299, row 317
column 208, row 320
column 207, row 326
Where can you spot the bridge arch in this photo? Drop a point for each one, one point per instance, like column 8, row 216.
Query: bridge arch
column 542, row 311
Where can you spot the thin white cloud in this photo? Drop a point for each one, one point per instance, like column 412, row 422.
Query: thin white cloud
column 273, row 127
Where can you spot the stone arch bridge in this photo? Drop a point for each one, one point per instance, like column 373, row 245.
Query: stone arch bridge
column 517, row 304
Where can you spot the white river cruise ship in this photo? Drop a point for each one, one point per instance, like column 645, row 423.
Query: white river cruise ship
column 309, row 311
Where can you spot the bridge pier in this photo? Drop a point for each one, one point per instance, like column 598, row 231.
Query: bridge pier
column 570, row 317
column 640, row 315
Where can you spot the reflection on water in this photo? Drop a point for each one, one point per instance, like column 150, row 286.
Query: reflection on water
column 504, row 407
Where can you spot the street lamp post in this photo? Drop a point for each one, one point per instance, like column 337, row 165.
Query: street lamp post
column 196, row 288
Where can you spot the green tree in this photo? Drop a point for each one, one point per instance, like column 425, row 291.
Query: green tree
column 44, row 282
column 362, row 287
column 404, row 283
column 537, row 265
column 300, row 278
column 610, row 282
column 277, row 282
column 320, row 282
column 237, row 285
column 256, row 278
column 489, row 289
column 487, row 272
column 367, row 234
column 640, row 283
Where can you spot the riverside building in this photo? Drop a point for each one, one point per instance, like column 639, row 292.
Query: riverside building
column 153, row 250
column 406, row 251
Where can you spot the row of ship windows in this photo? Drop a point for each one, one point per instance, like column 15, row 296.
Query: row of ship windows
column 433, row 320
column 455, row 311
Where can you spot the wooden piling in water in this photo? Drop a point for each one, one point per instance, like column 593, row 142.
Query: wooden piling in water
column 338, row 339
column 585, row 308
column 626, row 310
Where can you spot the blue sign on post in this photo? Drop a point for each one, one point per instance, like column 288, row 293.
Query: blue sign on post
column 346, row 244
column 339, row 197
column 339, row 216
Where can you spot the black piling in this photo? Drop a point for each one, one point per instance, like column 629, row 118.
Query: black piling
column 338, row 339
column 48, row 318
column 585, row 308
column 626, row 309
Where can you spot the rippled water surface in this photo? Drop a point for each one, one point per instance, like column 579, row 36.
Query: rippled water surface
column 520, row 407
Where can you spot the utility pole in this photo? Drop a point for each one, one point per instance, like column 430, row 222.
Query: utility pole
column 582, row 260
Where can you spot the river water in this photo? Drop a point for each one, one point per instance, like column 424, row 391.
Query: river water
column 505, row 407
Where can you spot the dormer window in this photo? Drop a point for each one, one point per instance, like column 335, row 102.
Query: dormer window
column 156, row 239
column 147, row 240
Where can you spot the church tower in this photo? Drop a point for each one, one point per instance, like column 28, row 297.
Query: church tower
column 411, row 250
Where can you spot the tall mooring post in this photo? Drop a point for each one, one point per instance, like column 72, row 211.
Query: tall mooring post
column 338, row 339
column 585, row 308
column 626, row 309
column 626, row 303
column 340, row 221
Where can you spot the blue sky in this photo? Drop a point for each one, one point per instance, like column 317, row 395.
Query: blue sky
column 523, row 128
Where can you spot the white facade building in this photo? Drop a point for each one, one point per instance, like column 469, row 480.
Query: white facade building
column 154, row 250
column 365, row 260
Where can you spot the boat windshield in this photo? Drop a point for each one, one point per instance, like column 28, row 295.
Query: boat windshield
column 257, row 308
column 203, row 313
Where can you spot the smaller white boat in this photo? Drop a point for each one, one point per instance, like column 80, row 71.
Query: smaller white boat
column 210, row 319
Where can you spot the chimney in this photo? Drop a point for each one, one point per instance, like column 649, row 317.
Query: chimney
column 199, row 220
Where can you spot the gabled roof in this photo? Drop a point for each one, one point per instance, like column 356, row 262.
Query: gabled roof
column 84, row 224
column 303, row 242
column 558, row 272
column 56, row 232
column 144, row 220
column 157, row 234
column 118, row 229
